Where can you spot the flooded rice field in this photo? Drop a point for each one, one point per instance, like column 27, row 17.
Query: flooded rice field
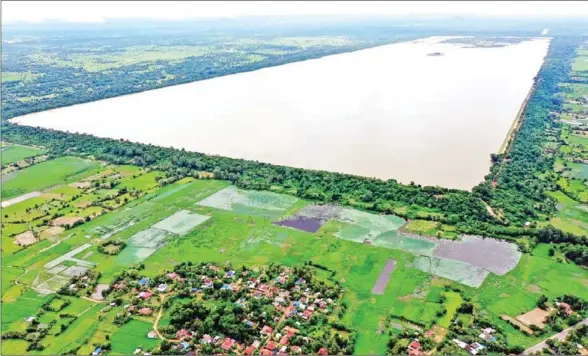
column 393, row 111
column 467, row 260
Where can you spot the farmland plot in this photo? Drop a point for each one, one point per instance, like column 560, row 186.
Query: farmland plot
column 249, row 202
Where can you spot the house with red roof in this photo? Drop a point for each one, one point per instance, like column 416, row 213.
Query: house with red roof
column 306, row 315
column 227, row 344
column 270, row 345
column 249, row 350
column 145, row 295
column 284, row 340
column 183, row 333
column 414, row 348
column 266, row 330
column 265, row 352
column 145, row 311
column 323, row 351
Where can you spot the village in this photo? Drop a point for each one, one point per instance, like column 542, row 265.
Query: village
column 273, row 311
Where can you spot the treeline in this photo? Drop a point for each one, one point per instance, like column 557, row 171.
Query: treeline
column 57, row 86
column 520, row 194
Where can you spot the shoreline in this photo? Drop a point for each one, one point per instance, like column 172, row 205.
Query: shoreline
column 516, row 125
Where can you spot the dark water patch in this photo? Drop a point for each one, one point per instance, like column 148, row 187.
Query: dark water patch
column 302, row 223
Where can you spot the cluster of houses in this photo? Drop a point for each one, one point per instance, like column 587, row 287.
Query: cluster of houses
column 271, row 340
column 476, row 347
column 565, row 307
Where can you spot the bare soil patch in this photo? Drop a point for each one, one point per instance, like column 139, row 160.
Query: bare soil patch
column 26, row 238
column 52, row 231
column 533, row 288
column 534, row 317
column 66, row 220
column 81, row 185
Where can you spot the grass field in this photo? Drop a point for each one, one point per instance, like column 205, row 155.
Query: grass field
column 15, row 153
column 132, row 335
column 45, row 175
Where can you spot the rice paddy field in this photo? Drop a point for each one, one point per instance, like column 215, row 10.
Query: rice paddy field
column 14, row 153
column 210, row 220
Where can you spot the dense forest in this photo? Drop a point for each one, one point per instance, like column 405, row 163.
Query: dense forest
column 518, row 192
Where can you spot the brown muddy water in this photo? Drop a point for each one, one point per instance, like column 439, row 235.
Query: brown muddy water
column 386, row 112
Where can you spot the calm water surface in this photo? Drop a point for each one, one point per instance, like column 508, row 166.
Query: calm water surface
column 386, row 112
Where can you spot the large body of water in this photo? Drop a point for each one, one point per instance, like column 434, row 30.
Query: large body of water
column 386, row 112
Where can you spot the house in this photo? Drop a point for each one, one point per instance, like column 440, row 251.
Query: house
column 227, row 344
column 249, row 323
column 183, row 333
column 488, row 331
column 414, row 348
column 143, row 281
column 214, row 268
column 290, row 331
column 266, row 330
column 300, row 281
column 323, row 351
column 206, row 339
column 184, row 345
column 478, row 347
column 230, row 274
column 227, row 287
column 145, row 295
column 145, row 311
column 249, row 350
column 265, row 352
column 270, row 345
column 152, row 334
column 429, row 334
column 172, row 275
column 283, row 350
column 306, row 315
column 137, row 351
column 207, row 284
column 256, row 344
column 487, row 337
column 296, row 349
column 284, row 340
column 471, row 350
column 98, row 351
column 162, row 287
column 566, row 307
column 459, row 343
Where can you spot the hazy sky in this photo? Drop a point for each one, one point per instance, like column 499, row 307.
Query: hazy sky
column 96, row 11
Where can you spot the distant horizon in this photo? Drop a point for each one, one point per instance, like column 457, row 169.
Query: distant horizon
column 101, row 12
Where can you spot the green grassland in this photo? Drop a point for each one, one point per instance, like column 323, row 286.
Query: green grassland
column 244, row 237
column 14, row 153
column 47, row 174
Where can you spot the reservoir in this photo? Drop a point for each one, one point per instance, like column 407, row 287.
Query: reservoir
column 393, row 111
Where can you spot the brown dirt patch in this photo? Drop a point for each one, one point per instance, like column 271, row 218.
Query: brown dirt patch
column 81, row 185
column 522, row 326
column 52, row 231
column 66, row 220
column 534, row 288
column 406, row 298
column 203, row 174
column 439, row 333
column 534, row 317
column 26, row 238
